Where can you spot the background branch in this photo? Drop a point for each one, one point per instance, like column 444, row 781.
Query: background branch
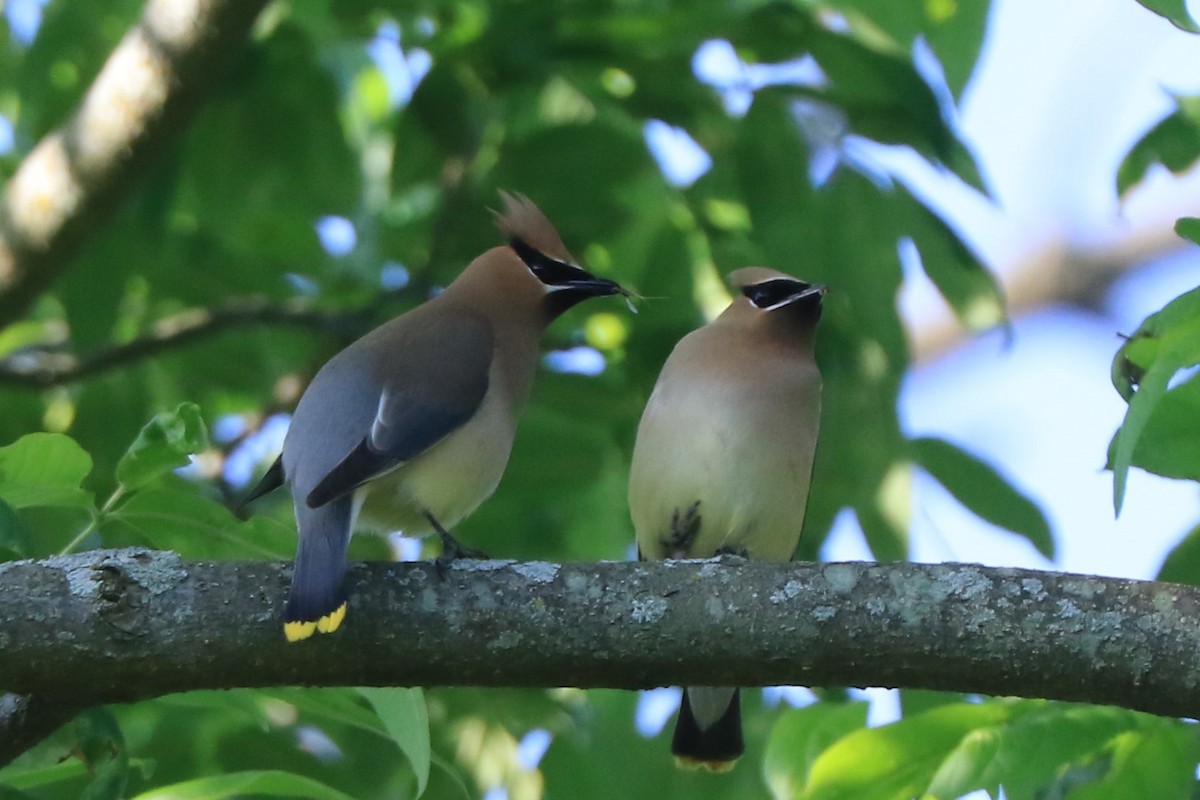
column 42, row 369
column 25, row 721
column 1058, row 272
column 77, row 175
column 122, row 625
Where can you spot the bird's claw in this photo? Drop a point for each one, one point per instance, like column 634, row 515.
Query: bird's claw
column 453, row 551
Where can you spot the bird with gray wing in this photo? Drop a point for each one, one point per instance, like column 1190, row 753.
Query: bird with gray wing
column 723, row 459
column 410, row 427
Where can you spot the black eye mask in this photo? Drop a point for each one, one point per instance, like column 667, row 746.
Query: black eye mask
column 773, row 293
column 549, row 271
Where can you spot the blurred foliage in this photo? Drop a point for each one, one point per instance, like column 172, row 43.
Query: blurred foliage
column 405, row 120
column 1174, row 10
column 1161, row 419
column 1173, row 143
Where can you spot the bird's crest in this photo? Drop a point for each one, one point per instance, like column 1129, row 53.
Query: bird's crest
column 524, row 221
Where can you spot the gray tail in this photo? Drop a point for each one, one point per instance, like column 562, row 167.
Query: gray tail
column 317, row 593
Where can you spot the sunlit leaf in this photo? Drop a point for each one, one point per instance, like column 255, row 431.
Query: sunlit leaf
column 181, row 520
column 34, row 777
column 800, row 736
column 241, row 784
column 1174, row 142
column 1174, row 10
column 897, row 761
column 1182, row 564
column 1166, row 342
column 44, row 469
column 406, row 718
column 343, row 706
column 1170, row 443
column 162, row 445
column 1158, row 762
column 1027, row 752
column 14, row 539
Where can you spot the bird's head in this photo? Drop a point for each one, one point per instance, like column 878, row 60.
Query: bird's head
column 770, row 292
column 560, row 280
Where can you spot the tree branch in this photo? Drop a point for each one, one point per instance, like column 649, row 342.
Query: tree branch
column 77, row 175
column 123, row 625
column 1058, row 272
column 25, row 721
column 43, row 369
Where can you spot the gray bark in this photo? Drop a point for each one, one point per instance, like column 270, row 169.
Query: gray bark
column 122, row 625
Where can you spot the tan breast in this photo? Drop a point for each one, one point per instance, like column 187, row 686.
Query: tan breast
column 735, row 435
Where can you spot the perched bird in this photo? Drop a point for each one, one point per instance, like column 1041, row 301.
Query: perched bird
column 411, row 426
column 723, row 459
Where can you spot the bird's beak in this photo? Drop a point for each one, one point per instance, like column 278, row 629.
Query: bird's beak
column 592, row 286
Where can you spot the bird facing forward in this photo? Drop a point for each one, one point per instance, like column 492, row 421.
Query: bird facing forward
column 723, row 459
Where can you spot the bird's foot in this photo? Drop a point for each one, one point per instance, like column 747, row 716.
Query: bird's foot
column 731, row 553
column 452, row 550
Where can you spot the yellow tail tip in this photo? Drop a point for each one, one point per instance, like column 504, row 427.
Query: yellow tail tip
column 332, row 621
column 299, row 630
column 694, row 764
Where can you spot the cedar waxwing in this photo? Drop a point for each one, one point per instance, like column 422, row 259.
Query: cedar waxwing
column 412, row 424
column 723, row 459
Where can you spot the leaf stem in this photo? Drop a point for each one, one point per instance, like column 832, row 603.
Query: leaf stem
column 97, row 518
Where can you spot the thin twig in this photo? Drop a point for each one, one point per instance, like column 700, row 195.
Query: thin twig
column 44, row 369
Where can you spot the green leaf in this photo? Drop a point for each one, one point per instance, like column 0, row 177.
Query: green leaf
column 887, row 539
column 1170, row 442
column 1174, row 10
column 253, row 198
column 1174, row 142
column 918, row 701
column 40, row 775
column 1188, row 228
column 102, row 745
column 970, row 289
column 343, row 706
column 23, row 334
column 1182, row 564
column 1159, row 762
column 800, row 736
column 1166, row 342
column 406, row 718
column 164, row 444
column 885, row 97
column 240, row 784
column 195, row 527
column 14, row 539
column 897, row 761
column 44, row 469
column 1028, row 752
column 981, row 489
column 955, row 31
